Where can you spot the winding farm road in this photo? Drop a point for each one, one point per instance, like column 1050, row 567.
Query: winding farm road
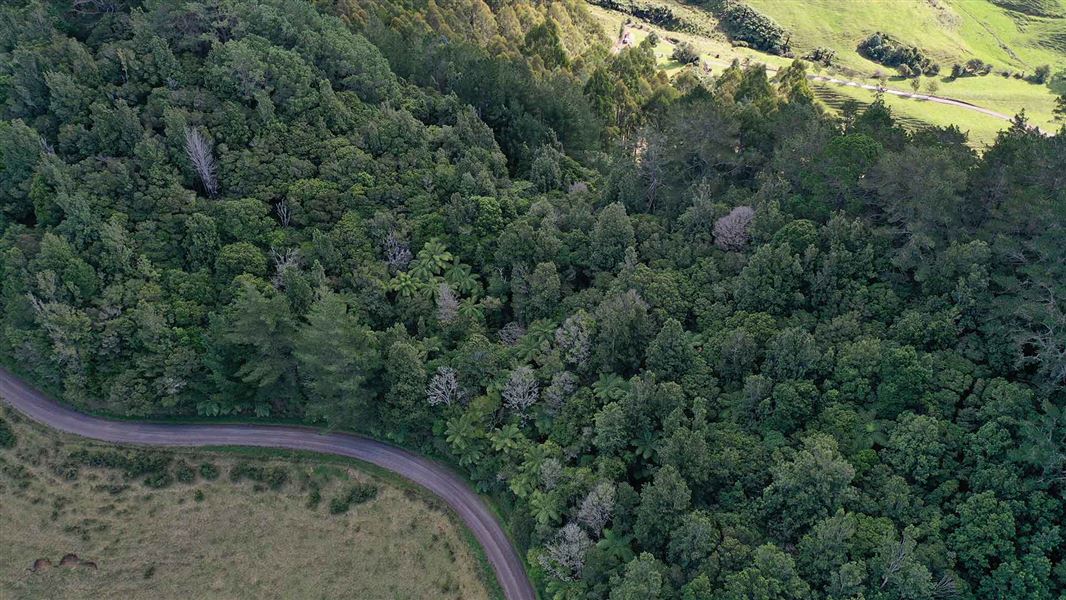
column 431, row 475
column 914, row 95
column 625, row 40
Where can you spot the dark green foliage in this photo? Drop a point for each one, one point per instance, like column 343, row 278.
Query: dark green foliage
column 972, row 67
column 274, row 477
column 761, row 352
column 656, row 14
column 882, row 48
column 745, row 24
column 184, row 472
column 1041, row 74
column 208, row 471
column 685, row 53
column 7, row 435
column 357, row 494
column 543, row 42
column 314, row 496
column 153, row 466
column 822, row 55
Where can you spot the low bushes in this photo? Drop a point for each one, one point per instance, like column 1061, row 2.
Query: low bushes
column 273, row 477
column 655, row 14
column 7, row 436
column 883, row 48
column 209, row 471
column 743, row 23
column 154, row 467
column 357, row 494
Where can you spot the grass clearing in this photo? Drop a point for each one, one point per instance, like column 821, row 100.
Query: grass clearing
column 912, row 113
column 823, row 20
column 949, row 30
column 219, row 538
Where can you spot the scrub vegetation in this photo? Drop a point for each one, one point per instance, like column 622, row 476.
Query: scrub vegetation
column 694, row 335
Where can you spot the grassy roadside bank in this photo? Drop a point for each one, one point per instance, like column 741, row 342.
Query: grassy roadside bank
column 233, row 539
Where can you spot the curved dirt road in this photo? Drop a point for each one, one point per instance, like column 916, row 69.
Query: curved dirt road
column 433, row 476
column 626, row 40
column 914, row 95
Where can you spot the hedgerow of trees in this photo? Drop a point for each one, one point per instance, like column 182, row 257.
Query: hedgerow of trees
column 747, row 26
column 697, row 338
column 883, row 48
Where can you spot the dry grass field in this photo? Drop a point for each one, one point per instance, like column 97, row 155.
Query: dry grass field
column 215, row 537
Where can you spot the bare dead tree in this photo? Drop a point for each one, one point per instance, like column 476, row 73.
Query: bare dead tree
column 46, row 147
column 283, row 261
column 551, row 471
column 94, row 7
column 946, row 587
column 198, row 150
column 447, row 304
column 597, row 507
column 1043, row 342
column 559, row 390
column 284, row 213
column 397, row 253
column 651, row 166
column 731, row 231
column 510, row 333
column 521, row 391
column 444, row 387
column 578, row 187
column 574, row 339
column 896, row 560
column 564, row 556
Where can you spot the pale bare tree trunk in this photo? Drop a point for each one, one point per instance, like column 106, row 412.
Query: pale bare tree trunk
column 199, row 151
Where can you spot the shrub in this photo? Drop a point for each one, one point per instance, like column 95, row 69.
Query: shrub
column 208, row 471
column 277, row 477
column 7, row 435
column 655, row 14
column 243, row 470
column 882, row 48
column 357, row 494
column 338, row 505
column 18, row 473
column 159, row 479
column 274, row 477
column 184, row 472
column 1041, row 74
column 745, row 24
column 153, row 466
column 685, row 53
column 822, row 55
column 973, row 67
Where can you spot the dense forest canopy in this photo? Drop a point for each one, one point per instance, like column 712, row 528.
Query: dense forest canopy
column 697, row 338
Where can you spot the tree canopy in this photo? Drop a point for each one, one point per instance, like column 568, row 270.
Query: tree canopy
column 698, row 338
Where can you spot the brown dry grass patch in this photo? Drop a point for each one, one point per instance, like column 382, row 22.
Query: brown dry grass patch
column 239, row 540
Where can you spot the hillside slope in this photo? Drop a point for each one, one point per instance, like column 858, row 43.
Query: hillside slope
column 1013, row 43
column 948, row 30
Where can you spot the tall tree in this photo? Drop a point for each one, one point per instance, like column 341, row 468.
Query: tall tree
column 336, row 355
